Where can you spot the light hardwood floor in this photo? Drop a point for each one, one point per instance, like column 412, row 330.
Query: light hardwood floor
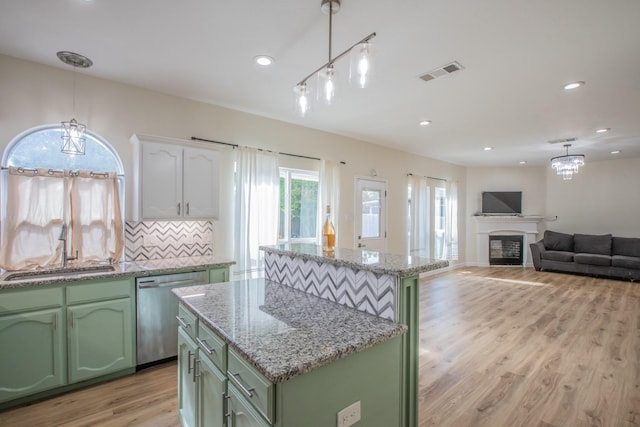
column 499, row 347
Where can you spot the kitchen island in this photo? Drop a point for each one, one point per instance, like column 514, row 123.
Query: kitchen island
column 269, row 355
column 385, row 285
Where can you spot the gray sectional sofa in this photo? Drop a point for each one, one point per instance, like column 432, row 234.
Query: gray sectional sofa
column 596, row 255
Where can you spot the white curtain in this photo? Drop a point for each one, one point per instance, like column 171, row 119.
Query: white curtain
column 418, row 216
column 35, row 213
column 96, row 222
column 40, row 201
column 329, row 194
column 451, row 223
column 256, row 210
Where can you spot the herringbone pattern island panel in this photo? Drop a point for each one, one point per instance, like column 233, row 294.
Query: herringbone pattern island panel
column 364, row 290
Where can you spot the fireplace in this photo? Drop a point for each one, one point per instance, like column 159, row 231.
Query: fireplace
column 506, row 250
column 490, row 226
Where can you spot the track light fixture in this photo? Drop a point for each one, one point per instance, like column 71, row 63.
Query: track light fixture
column 359, row 70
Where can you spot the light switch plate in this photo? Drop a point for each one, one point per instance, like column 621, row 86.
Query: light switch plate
column 349, row 415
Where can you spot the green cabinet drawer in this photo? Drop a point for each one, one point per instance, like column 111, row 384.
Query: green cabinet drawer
column 253, row 385
column 212, row 346
column 187, row 320
column 29, row 300
column 98, row 291
column 241, row 412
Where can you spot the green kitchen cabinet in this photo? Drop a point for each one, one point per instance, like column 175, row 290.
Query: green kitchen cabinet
column 32, row 353
column 100, row 338
column 241, row 413
column 100, row 328
column 187, row 386
column 64, row 335
column 201, row 386
column 212, row 385
column 217, row 275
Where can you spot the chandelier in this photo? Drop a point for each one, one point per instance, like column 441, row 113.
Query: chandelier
column 567, row 164
column 73, row 139
column 359, row 72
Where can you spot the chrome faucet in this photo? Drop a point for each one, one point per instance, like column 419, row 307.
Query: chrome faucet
column 63, row 238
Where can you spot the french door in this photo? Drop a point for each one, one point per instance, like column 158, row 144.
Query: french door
column 371, row 215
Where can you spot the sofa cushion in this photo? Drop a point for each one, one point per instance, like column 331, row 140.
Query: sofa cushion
column 592, row 259
column 592, row 244
column 555, row 241
column 561, row 256
column 626, row 261
column 627, row 246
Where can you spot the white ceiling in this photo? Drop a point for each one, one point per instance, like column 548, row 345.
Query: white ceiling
column 517, row 55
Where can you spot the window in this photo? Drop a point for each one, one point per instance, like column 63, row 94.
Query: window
column 48, row 189
column 298, row 220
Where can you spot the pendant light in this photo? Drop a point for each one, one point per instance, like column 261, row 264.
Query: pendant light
column 73, row 137
column 361, row 53
column 567, row 164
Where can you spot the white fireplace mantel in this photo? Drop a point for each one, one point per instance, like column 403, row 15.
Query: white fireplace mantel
column 486, row 226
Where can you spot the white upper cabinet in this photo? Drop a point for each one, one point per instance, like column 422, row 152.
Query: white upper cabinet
column 176, row 181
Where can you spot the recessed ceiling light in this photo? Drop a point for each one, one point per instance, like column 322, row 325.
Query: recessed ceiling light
column 488, row 148
column 263, row 60
column 603, row 130
column 522, row 162
column 615, row 152
column 573, row 85
column 425, row 122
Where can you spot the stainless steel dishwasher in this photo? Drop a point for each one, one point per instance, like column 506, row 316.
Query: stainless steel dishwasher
column 157, row 308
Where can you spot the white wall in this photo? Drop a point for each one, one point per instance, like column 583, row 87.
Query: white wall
column 530, row 180
column 603, row 198
column 34, row 94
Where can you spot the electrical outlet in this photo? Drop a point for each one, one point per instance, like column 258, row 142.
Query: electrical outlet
column 349, row 415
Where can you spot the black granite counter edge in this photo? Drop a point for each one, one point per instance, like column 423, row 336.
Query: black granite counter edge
column 133, row 270
column 400, row 272
column 284, row 375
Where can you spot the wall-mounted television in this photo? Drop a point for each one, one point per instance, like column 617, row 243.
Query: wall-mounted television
column 501, row 202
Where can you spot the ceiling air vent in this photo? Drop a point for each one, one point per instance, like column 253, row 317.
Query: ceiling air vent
column 562, row 140
column 442, row 71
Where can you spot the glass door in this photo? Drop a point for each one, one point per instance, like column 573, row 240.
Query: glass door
column 371, row 208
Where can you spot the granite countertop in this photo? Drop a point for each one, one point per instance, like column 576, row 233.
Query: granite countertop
column 122, row 269
column 377, row 262
column 283, row 332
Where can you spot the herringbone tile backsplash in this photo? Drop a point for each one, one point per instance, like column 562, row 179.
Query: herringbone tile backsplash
column 167, row 239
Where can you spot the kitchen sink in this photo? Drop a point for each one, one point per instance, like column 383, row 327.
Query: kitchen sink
column 59, row 272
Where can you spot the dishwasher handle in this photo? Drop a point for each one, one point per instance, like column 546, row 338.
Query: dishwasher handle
column 153, row 284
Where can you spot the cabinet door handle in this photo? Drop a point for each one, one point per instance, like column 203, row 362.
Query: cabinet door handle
column 205, row 347
column 55, row 321
column 178, row 208
column 235, row 378
column 187, row 208
column 71, row 320
column 182, row 322
column 196, row 363
column 189, row 354
column 225, row 408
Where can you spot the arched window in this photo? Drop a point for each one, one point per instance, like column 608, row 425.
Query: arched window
column 40, row 148
column 56, row 204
